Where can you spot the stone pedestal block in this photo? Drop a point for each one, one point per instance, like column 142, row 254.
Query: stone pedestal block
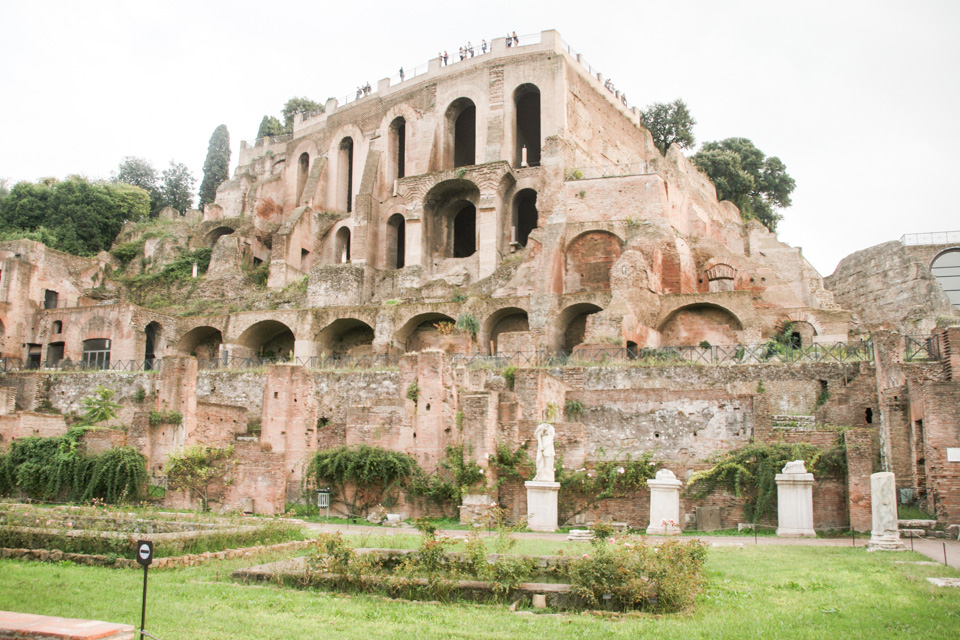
column 883, row 498
column 664, row 504
column 542, row 505
column 795, row 501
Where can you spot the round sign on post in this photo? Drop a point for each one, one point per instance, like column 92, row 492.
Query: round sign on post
column 145, row 552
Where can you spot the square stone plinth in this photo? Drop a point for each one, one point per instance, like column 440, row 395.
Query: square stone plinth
column 542, row 505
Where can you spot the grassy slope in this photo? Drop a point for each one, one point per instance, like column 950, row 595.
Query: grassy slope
column 766, row 592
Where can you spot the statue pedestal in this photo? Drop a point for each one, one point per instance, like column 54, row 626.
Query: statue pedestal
column 542, row 505
column 795, row 505
column 664, row 504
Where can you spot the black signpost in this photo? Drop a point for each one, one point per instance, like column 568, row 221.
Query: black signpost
column 145, row 558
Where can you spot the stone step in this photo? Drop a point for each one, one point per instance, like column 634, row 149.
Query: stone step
column 580, row 534
column 912, row 533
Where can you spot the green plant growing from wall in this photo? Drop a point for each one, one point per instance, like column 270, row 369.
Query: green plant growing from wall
column 99, row 407
column 573, row 409
column 509, row 374
column 362, row 476
column 749, row 472
column 165, row 417
column 551, row 411
column 468, row 323
column 413, row 391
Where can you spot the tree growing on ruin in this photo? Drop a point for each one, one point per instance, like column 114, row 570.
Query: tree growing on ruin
column 296, row 105
column 669, row 123
column 216, row 167
column 176, row 187
column 270, row 126
column 744, row 175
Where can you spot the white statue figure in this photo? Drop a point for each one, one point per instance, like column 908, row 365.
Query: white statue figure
column 545, row 452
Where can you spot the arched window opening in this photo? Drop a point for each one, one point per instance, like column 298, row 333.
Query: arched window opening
column 525, row 215
column 398, row 147
column 462, row 125
column 342, row 246
column 201, row 342
column 946, row 269
column 345, row 175
column 268, row 339
column 527, row 102
column 303, row 168
column 396, row 241
column 465, row 232
column 57, row 326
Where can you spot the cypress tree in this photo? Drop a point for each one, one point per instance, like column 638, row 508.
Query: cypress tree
column 216, row 168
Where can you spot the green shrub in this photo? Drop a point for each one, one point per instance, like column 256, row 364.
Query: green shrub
column 573, row 409
column 125, row 252
column 413, row 391
column 509, row 375
column 362, row 476
column 165, row 417
column 468, row 323
column 628, row 573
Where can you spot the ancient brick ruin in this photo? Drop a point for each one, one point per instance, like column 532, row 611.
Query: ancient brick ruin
column 514, row 188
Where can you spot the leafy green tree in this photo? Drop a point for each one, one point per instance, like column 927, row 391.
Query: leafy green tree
column 296, row 105
column 176, row 187
column 216, row 168
column 201, row 469
column 81, row 217
column 270, row 126
column 758, row 185
column 669, row 123
column 140, row 173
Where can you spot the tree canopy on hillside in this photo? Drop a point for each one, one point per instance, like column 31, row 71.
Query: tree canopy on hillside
column 745, row 176
column 74, row 215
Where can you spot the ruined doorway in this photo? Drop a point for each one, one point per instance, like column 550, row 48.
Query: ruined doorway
column 345, row 175
column 462, row 132
column 398, row 147
column 151, row 336
column 303, row 168
column 396, row 241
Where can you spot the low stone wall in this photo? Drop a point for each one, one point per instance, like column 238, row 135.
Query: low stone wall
column 190, row 560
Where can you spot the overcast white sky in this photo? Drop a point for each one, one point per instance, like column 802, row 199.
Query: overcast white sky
column 858, row 98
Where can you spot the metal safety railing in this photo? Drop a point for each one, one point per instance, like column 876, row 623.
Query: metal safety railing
column 934, row 237
column 98, row 363
column 922, row 348
column 768, row 352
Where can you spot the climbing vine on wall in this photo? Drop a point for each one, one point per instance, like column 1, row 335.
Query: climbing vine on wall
column 749, row 472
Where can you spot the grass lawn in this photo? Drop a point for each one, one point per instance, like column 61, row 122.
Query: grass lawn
column 754, row 592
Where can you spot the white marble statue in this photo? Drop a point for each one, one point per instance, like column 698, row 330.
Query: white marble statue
column 545, row 453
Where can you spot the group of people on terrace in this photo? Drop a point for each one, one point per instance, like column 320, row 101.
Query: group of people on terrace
column 608, row 85
column 469, row 51
column 365, row 89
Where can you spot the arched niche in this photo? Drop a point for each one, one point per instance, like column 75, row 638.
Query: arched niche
column 525, row 215
column 693, row 324
column 571, row 325
column 588, row 260
column 344, row 181
column 507, row 320
column 211, row 238
column 268, row 339
column 526, row 100
column 203, row 342
column 341, row 245
column 420, row 332
column 461, row 133
column 346, row 337
column 303, row 171
column 396, row 242
column 397, row 148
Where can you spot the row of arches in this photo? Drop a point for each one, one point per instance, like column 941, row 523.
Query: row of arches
column 459, row 147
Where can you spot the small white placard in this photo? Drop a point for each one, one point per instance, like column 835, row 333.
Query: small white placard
column 953, row 454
